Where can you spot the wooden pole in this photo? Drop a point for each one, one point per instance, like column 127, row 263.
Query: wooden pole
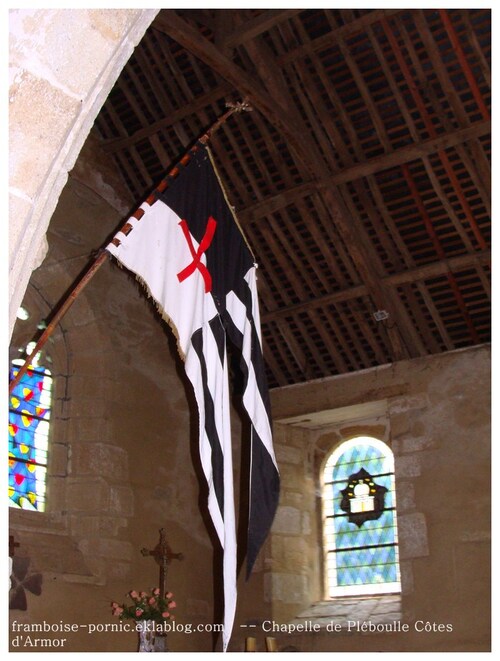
column 104, row 254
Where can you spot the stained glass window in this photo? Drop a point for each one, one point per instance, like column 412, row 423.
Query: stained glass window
column 361, row 549
column 29, row 415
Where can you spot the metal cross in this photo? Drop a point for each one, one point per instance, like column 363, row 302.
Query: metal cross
column 163, row 555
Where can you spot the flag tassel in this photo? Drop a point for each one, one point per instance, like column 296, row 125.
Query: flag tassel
column 103, row 254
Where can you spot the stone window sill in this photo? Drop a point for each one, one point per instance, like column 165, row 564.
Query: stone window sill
column 380, row 609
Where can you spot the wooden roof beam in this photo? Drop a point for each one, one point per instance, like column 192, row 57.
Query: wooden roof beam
column 344, row 31
column 420, row 273
column 254, row 27
column 372, row 166
column 169, row 22
column 362, row 253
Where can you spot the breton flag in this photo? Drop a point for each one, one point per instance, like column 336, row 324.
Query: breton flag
column 185, row 246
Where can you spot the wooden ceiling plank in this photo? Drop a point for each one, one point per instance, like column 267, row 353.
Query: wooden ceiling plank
column 294, row 348
column 436, row 317
column 369, row 167
column 286, row 257
column 479, row 169
column 340, row 111
column 478, row 50
column 327, row 40
column 441, row 194
column 408, row 259
column 440, row 69
column 363, row 256
column 294, row 367
column 450, row 277
column 357, row 76
column 420, row 321
column 245, row 165
column 385, row 238
column 372, row 273
column 311, row 99
column 366, row 267
column 116, row 144
column 428, row 122
column 204, row 17
column 319, row 122
column 254, row 27
column 335, row 238
column 410, row 153
column 162, row 156
column 319, row 233
column 332, row 327
column 137, row 160
column 169, row 22
column 270, row 359
column 313, row 350
column 464, row 62
column 380, row 354
column 330, row 343
column 393, row 86
column 352, row 333
column 419, row 273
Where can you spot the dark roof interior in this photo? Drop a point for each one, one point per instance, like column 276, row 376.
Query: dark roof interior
column 361, row 178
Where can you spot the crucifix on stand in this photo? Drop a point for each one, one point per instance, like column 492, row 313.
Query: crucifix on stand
column 163, row 555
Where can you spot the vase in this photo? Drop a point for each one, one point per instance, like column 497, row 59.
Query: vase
column 147, row 635
column 149, row 639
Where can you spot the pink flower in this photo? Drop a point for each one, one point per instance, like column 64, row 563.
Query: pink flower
column 169, row 595
column 156, row 591
column 172, row 604
column 134, row 594
column 118, row 611
column 138, row 612
column 165, row 614
column 142, row 595
column 151, row 601
column 114, row 605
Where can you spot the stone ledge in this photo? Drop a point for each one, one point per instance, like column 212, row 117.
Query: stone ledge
column 378, row 609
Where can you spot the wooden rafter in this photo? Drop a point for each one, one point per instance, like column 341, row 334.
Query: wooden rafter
column 362, row 179
column 420, row 273
column 371, row 166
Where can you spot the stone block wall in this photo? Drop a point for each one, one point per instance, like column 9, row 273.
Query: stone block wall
column 435, row 415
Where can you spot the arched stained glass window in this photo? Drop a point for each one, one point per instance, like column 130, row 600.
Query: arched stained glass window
column 29, row 414
column 360, row 527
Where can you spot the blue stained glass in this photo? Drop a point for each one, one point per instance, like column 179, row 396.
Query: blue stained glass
column 370, row 556
column 29, row 412
column 372, row 575
column 367, row 456
column 378, row 531
column 363, row 557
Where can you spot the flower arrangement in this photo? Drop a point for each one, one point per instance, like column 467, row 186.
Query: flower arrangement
column 146, row 606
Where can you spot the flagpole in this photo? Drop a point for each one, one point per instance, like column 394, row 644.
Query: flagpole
column 103, row 254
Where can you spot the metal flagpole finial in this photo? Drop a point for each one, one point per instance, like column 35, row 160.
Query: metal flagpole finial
column 232, row 108
column 240, row 106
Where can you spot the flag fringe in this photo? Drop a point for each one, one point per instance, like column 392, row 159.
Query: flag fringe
column 161, row 311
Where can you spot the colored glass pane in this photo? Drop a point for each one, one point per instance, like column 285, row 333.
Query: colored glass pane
column 360, row 559
column 29, row 415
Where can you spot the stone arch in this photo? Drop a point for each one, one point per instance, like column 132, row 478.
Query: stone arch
column 55, row 95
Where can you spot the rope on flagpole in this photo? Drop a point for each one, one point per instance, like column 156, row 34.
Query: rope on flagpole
column 103, row 254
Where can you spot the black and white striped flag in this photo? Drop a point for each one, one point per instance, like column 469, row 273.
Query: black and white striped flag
column 189, row 252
